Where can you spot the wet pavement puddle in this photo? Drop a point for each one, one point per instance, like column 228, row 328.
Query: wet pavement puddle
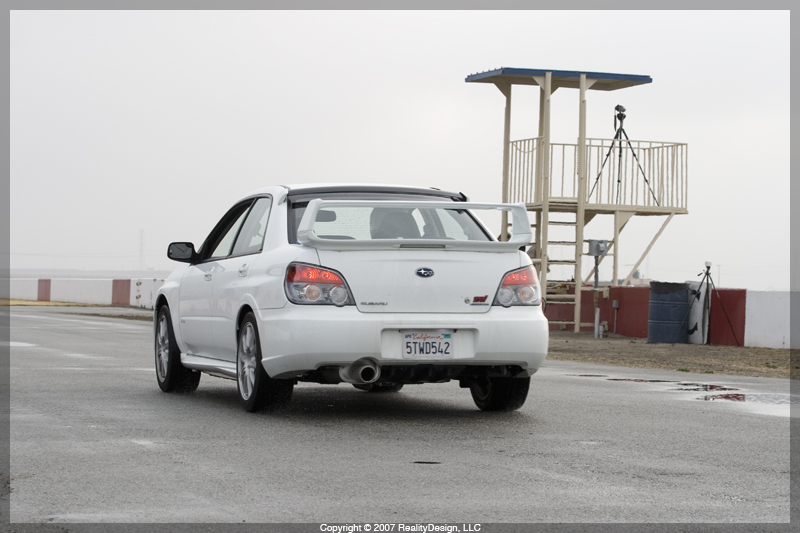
column 774, row 399
column 775, row 404
column 643, row 380
column 697, row 387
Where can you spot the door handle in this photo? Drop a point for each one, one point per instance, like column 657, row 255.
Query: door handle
column 243, row 270
column 207, row 276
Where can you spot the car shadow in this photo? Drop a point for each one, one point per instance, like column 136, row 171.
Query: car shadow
column 335, row 404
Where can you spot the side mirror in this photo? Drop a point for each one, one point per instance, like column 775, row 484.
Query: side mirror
column 182, row 252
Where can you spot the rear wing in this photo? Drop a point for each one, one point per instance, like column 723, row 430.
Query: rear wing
column 520, row 225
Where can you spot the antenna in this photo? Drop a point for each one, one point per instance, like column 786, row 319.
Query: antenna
column 141, row 250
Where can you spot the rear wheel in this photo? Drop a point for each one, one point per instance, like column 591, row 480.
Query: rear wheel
column 172, row 376
column 257, row 391
column 500, row 394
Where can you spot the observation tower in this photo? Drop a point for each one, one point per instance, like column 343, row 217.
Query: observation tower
column 567, row 186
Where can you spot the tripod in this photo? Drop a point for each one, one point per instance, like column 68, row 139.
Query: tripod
column 709, row 285
column 618, row 137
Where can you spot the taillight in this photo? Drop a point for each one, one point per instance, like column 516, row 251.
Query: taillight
column 519, row 287
column 307, row 284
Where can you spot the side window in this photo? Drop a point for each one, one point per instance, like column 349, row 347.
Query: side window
column 251, row 237
column 343, row 223
column 225, row 233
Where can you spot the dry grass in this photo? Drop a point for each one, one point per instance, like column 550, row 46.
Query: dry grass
column 5, row 301
column 696, row 358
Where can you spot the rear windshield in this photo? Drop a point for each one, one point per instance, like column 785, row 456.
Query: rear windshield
column 367, row 222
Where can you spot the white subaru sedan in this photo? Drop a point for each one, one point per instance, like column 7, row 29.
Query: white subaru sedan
column 375, row 286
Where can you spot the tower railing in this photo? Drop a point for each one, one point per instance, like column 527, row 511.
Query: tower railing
column 658, row 179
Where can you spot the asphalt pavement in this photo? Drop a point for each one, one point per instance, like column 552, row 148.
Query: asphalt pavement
column 93, row 439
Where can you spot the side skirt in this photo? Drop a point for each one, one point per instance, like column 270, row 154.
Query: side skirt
column 214, row 367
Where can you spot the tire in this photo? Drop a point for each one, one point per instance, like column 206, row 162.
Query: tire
column 171, row 375
column 257, row 391
column 500, row 394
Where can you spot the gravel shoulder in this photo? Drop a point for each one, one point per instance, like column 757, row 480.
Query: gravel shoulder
column 690, row 358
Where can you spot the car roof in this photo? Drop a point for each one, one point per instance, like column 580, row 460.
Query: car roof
column 327, row 188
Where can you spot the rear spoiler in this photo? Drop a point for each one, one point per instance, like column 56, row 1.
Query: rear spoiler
column 521, row 226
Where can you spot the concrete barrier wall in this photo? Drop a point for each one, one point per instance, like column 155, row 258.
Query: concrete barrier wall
column 633, row 313
column 143, row 292
column 23, row 289
column 133, row 292
column 757, row 318
column 767, row 319
column 727, row 319
column 629, row 320
column 82, row 291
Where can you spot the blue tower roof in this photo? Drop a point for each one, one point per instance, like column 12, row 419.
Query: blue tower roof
column 560, row 78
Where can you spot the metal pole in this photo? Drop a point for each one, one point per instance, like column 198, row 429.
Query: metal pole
column 596, row 299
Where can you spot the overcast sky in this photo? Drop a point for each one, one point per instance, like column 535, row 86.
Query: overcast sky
column 133, row 129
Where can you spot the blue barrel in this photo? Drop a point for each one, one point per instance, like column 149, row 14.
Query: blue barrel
column 668, row 305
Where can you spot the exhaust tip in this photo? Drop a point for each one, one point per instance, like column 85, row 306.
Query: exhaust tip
column 361, row 372
column 368, row 374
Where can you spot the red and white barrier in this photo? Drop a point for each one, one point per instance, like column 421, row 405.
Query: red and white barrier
column 140, row 292
column 754, row 318
column 757, row 318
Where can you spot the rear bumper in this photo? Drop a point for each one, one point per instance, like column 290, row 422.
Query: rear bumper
column 299, row 339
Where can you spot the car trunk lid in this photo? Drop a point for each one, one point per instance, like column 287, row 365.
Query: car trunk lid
column 420, row 280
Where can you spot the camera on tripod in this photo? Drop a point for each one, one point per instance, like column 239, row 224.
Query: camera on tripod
column 617, row 144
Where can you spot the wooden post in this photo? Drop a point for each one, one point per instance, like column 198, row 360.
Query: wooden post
column 538, row 178
column 545, row 165
column 505, row 88
column 581, row 193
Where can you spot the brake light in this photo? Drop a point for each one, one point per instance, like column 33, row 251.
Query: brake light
column 297, row 273
column 526, row 276
column 307, row 284
column 519, row 287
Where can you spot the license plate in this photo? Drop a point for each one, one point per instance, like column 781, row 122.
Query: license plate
column 428, row 344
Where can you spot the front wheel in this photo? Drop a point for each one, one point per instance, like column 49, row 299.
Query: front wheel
column 171, row 374
column 257, row 391
column 500, row 394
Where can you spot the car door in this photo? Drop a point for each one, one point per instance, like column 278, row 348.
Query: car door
column 233, row 279
column 196, row 292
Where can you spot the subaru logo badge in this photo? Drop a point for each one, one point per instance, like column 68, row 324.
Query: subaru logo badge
column 424, row 272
